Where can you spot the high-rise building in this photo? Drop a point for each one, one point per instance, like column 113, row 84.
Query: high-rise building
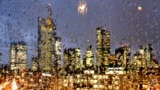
column 46, row 40
column 144, row 56
column 137, row 59
column 89, row 58
column 18, row 56
column 102, row 46
column 56, row 56
column 77, row 58
column 58, row 46
column 72, row 59
column 148, row 54
column 123, row 55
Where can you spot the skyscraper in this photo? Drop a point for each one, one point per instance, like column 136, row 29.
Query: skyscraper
column 72, row 59
column 56, row 56
column 18, row 56
column 46, row 40
column 102, row 46
column 123, row 55
column 145, row 56
column 89, row 58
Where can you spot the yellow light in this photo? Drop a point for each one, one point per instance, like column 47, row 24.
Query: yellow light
column 48, row 21
column 43, row 27
column 50, row 28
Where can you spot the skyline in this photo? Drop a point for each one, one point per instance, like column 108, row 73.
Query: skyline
column 18, row 22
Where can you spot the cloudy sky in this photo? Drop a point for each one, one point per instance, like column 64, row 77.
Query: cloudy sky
column 127, row 23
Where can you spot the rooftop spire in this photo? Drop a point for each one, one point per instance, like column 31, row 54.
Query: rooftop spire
column 49, row 9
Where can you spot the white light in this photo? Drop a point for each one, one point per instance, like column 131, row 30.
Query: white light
column 14, row 85
column 82, row 7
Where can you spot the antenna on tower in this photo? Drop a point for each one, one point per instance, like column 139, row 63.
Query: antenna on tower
column 49, row 9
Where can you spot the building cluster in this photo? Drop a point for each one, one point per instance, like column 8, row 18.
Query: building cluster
column 59, row 68
column 144, row 57
column 52, row 57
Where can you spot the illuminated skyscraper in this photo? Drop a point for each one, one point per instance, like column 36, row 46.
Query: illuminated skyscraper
column 77, row 58
column 58, row 46
column 148, row 54
column 72, row 59
column 123, row 55
column 46, row 40
column 102, row 46
column 56, row 56
column 89, row 58
column 18, row 56
column 144, row 56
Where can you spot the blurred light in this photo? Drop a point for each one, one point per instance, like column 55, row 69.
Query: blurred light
column 139, row 8
column 82, row 7
column 135, row 4
column 14, row 85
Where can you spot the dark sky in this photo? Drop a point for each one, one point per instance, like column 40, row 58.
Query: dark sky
column 18, row 22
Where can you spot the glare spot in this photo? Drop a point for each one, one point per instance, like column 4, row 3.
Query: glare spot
column 82, row 7
column 139, row 8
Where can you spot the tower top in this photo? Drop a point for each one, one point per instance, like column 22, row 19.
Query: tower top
column 49, row 9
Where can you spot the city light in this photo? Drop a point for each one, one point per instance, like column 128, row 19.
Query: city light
column 99, row 70
column 139, row 8
column 14, row 85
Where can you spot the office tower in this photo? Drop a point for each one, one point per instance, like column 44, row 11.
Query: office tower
column 119, row 56
column 123, row 55
column 102, row 46
column 72, row 59
column 127, row 55
column 144, row 56
column 138, row 61
column 89, row 58
column 77, row 58
column 58, row 46
column 56, row 56
column 148, row 54
column 18, row 56
column 46, row 40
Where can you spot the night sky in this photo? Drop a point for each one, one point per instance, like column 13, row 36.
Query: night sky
column 127, row 24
